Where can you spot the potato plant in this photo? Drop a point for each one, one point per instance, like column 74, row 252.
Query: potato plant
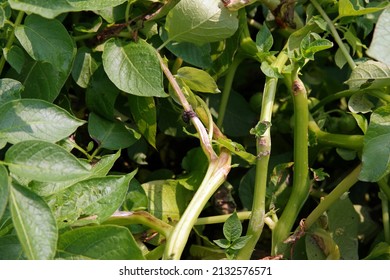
column 182, row 129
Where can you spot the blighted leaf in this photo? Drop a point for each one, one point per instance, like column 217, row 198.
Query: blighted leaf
column 34, row 223
column 48, row 41
column 106, row 242
column 111, row 135
column 100, row 197
column 28, row 119
column 370, row 74
column 379, row 47
column 4, row 189
column 43, row 161
column 376, row 146
column 321, row 246
column 197, row 80
column 133, row 67
column 9, row 90
column 143, row 110
column 200, row 22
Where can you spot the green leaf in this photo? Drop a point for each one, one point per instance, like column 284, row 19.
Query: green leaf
column 136, row 198
column 321, row 246
column 101, row 94
column 125, row 66
column 344, row 228
column 34, row 223
column 143, row 110
column 100, row 243
column 41, row 80
column 99, row 169
column 222, row 243
column 2, row 17
column 15, row 57
column 376, row 147
column 380, row 252
column 346, row 8
column 100, row 197
column 84, row 67
column 264, row 40
column 360, row 103
column 167, row 199
column 111, row 135
column 270, row 71
column 369, row 75
column 198, row 56
column 47, row 8
column 195, row 165
column 240, row 242
column 197, row 80
column 83, row 5
column 200, row 22
column 43, row 161
column 232, row 228
column 379, row 47
column 10, row 248
column 48, row 41
column 4, row 189
column 237, row 149
column 28, row 119
column 313, row 43
column 9, row 90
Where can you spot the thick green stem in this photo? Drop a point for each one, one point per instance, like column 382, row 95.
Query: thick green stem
column 344, row 141
column 300, row 189
column 227, row 89
column 215, row 176
column 256, row 222
column 11, row 38
column 336, row 35
column 245, row 215
column 333, row 196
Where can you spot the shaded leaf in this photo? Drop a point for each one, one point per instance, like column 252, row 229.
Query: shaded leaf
column 34, row 223
column 43, row 161
column 112, row 135
column 200, row 22
column 376, row 146
column 9, row 90
column 15, row 57
column 28, row 119
column 197, row 80
column 143, row 110
column 99, row 243
column 125, row 66
column 10, row 248
column 84, row 67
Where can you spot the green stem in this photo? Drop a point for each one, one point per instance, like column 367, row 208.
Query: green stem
column 11, row 38
column 256, row 222
column 300, row 189
column 344, row 141
column 84, row 37
column 336, row 36
column 245, row 215
column 215, row 176
column 333, row 196
column 385, row 188
column 125, row 218
column 227, row 89
column 333, row 97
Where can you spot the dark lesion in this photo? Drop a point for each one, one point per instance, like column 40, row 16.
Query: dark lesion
column 188, row 115
column 284, row 14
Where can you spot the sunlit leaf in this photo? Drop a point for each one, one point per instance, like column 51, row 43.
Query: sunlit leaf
column 379, row 47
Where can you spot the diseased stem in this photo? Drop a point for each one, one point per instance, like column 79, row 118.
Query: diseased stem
column 335, row 194
column 256, row 222
column 300, row 189
column 336, row 36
